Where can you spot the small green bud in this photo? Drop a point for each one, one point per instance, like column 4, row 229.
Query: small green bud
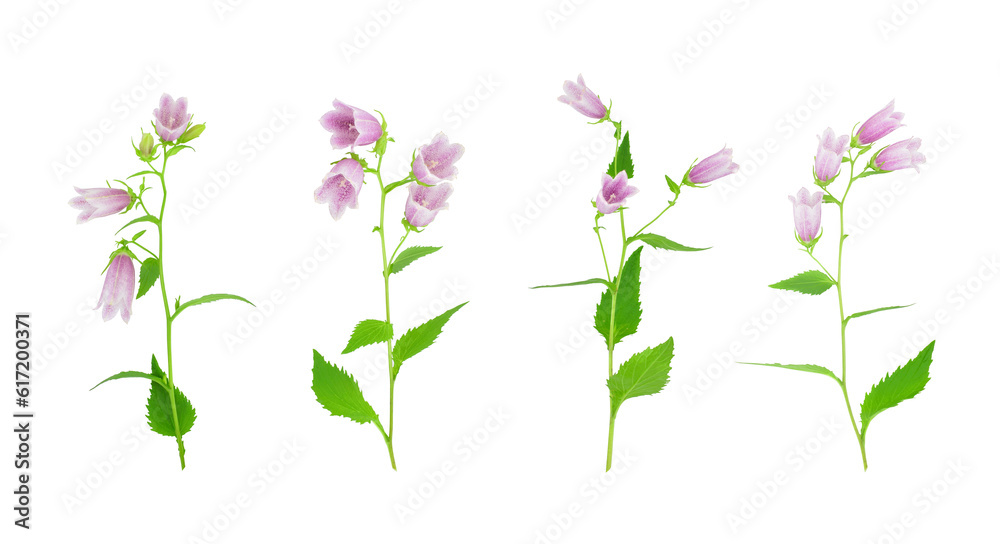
column 191, row 133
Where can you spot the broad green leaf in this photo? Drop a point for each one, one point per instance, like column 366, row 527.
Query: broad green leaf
column 623, row 160
column 659, row 242
column 146, row 218
column 815, row 369
column 206, row 299
column 158, row 411
column 367, row 332
column 904, row 383
column 131, row 374
column 420, row 337
column 829, row 199
column 148, row 274
column 627, row 308
column 869, row 312
column 339, row 392
column 602, row 281
column 812, row 282
column 409, row 255
column 645, row 373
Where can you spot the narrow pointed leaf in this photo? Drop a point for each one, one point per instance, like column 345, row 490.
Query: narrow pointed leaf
column 177, row 149
column 812, row 282
column 130, row 374
column 409, row 255
column 627, row 308
column 602, row 281
column 149, row 272
column 815, row 369
column 904, row 383
column 869, row 312
column 659, row 242
column 143, row 173
column 146, row 218
column 420, row 337
column 209, row 298
column 339, row 392
column 367, row 332
column 645, row 373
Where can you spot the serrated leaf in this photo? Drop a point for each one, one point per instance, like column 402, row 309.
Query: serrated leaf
column 904, row 383
column 815, row 369
column 660, row 242
column 420, row 337
column 812, row 282
column 158, row 412
column 409, row 255
column 602, row 281
column 869, row 312
column 645, row 373
column 149, row 272
column 368, row 332
column 623, row 160
column 627, row 308
column 206, row 299
column 339, row 392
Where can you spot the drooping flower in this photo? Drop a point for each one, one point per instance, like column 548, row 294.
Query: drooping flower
column 99, row 202
column 119, row 288
column 714, row 167
column 424, row 203
column 900, row 155
column 830, row 154
column 350, row 126
column 614, row 192
column 882, row 123
column 435, row 162
column 582, row 99
column 341, row 186
column 807, row 213
column 171, row 117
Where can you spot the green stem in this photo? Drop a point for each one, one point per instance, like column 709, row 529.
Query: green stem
column 597, row 229
column 169, row 319
column 843, row 320
column 611, row 334
column 669, row 205
column 385, row 278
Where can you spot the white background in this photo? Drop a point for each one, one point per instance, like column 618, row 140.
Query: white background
column 260, row 74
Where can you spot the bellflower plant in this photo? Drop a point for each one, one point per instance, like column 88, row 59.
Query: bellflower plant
column 169, row 412
column 618, row 312
column 908, row 380
column 428, row 192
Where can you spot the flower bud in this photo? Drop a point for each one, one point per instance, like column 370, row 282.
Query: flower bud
column 191, row 133
column 146, row 147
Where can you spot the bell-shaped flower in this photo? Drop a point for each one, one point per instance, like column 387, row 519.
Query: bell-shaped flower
column 435, row 162
column 171, row 117
column 341, row 186
column 424, row 203
column 712, row 168
column 119, row 288
column 882, row 123
column 99, row 202
column 830, row 155
column 350, row 126
column 807, row 213
column 582, row 99
column 614, row 192
column 900, row 155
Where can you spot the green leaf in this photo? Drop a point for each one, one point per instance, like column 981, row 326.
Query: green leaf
column 138, row 235
column 143, row 173
column 367, row 332
column 645, row 373
column 829, row 199
column 146, row 218
column 674, row 188
column 659, row 242
column 623, row 160
column 812, row 282
column 815, row 369
column 177, row 149
column 396, row 184
column 206, row 299
column 869, row 312
column 131, row 374
column 148, row 273
column 339, row 392
column 602, row 281
column 903, row 384
column 409, row 255
column 158, row 411
column 627, row 308
column 420, row 337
